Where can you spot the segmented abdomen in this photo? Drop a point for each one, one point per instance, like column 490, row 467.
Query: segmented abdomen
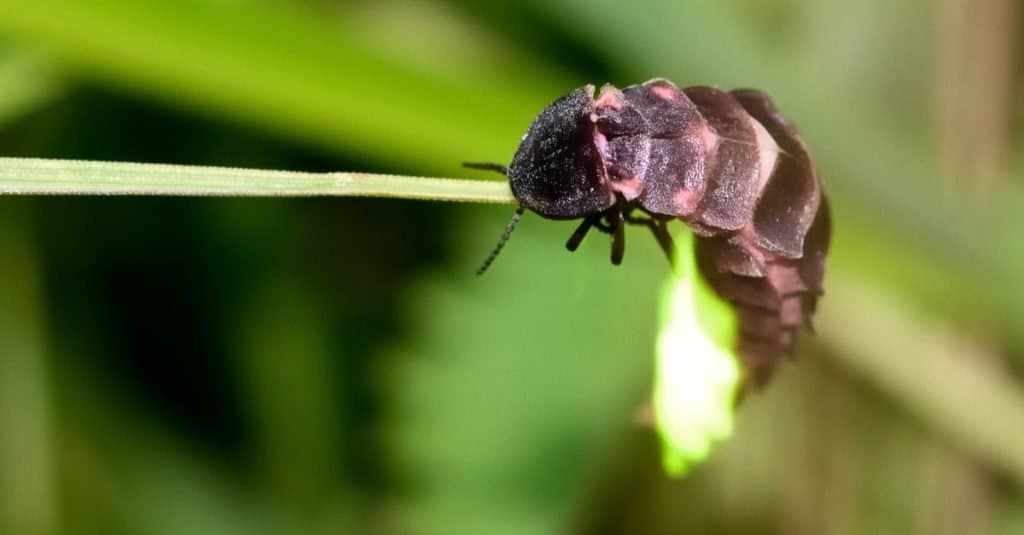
column 774, row 295
column 749, row 189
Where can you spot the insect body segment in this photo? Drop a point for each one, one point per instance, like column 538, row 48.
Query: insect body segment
column 725, row 163
column 774, row 296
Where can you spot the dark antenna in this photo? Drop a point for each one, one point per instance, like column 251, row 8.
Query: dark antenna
column 487, row 166
column 501, row 242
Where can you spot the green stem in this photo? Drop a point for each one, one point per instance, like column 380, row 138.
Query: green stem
column 27, row 176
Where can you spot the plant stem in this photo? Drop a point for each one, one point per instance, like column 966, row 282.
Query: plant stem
column 28, row 176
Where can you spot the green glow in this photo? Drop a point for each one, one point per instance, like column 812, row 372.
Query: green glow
column 696, row 373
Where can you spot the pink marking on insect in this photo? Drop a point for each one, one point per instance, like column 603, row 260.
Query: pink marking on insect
column 685, row 201
column 708, row 138
column 609, row 98
column 791, row 311
column 600, row 141
column 785, row 278
column 630, row 188
column 746, row 238
column 768, row 152
column 664, row 92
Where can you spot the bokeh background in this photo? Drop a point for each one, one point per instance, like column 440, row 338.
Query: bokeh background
column 255, row 366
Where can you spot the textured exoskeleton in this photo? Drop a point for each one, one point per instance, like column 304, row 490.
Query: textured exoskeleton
column 726, row 163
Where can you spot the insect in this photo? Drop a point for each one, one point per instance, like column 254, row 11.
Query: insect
column 725, row 163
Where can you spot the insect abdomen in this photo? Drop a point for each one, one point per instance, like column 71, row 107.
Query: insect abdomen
column 771, row 266
column 725, row 163
column 775, row 296
column 737, row 173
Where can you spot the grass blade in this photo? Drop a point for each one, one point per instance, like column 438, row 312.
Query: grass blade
column 29, row 176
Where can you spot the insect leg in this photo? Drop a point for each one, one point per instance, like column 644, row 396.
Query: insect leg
column 660, row 230
column 580, row 233
column 618, row 237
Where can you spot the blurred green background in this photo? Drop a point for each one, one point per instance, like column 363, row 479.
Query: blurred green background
column 334, row 366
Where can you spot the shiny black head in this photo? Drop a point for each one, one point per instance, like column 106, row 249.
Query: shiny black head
column 581, row 158
column 557, row 170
